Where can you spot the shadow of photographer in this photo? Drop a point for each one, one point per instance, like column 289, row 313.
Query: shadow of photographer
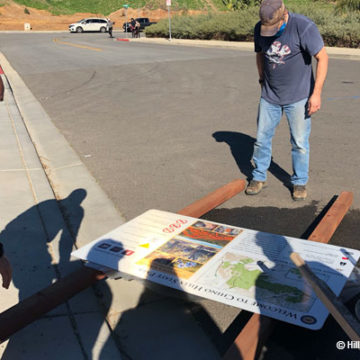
column 39, row 243
column 167, row 322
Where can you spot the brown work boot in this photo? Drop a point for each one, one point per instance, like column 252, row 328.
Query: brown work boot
column 255, row 187
column 299, row 192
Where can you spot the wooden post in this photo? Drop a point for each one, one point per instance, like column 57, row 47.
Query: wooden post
column 33, row 307
column 248, row 343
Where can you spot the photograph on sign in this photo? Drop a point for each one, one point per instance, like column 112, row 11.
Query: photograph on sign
column 187, row 252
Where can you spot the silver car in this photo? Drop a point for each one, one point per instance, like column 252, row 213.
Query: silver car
column 89, row 24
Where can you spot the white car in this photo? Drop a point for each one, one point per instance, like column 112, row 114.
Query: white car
column 89, row 24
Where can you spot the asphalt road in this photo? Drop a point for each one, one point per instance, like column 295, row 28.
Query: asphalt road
column 161, row 126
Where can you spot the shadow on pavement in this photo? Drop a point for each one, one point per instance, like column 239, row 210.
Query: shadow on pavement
column 162, row 325
column 290, row 342
column 163, row 321
column 162, row 310
column 242, row 147
column 39, row 256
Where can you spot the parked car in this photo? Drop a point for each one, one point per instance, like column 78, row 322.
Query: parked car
column 144, row 22
column 89, row 24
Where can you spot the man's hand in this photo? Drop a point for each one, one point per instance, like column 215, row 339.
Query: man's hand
column 314, row 104
column 5, row 271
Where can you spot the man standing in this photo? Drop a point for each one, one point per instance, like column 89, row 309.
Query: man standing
column 110, row 25
column 133, row 26
column 285, row 44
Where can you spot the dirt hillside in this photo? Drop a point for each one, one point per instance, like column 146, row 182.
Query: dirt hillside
column 13, row 17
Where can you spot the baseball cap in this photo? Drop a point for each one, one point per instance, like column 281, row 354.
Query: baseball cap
column 271, row 13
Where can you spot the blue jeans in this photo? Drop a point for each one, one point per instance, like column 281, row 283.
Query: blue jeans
column 300, row 126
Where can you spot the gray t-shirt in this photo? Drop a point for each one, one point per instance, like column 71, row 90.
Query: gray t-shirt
column 288, row 75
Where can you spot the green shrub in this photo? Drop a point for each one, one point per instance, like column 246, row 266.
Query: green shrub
column 348, row 5
column 341, row 30
column 221, row 26
column 338, row 21
column 240, row 4
column 337, row 30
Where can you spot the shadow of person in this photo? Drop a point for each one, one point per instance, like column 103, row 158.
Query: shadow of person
column 289, row 341
column 39, row 243
column 73, row 214
column 28, row 240
column 163, row 325
column 242, row 148
column 280, row 289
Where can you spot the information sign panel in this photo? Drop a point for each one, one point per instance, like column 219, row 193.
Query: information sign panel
column 244, row 268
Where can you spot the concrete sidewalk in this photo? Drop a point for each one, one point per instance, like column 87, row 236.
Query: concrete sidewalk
column 38, row 243
column 49, row 202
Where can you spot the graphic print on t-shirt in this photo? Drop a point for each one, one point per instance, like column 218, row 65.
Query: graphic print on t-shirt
column 276, row 53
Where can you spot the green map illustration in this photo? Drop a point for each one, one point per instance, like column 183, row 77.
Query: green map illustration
column 277, row 284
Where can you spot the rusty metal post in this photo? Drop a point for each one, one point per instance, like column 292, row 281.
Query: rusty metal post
column 248, row 343
column 33, row 307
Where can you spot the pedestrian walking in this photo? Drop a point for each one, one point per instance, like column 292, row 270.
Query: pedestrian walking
column 285, row 44
column 133, row 27
column 110, row 25
column 137, row 29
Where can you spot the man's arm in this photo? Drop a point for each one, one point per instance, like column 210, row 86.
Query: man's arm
column 260, row 64
column 321, row 71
